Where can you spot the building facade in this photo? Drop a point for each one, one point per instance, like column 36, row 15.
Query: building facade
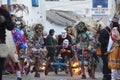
column 36, row 8
column 83, row 7
column 89, row 8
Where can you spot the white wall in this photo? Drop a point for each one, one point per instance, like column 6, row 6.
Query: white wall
column 77, row 6
column 80, row 7
column 36, row 14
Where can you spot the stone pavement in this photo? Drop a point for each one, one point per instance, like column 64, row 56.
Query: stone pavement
column 52, row 76
column 59, row 76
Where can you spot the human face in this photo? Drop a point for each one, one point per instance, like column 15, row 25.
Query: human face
column 52, row 33
column 81, row 28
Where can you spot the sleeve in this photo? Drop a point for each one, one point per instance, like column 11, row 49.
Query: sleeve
column 102, row 37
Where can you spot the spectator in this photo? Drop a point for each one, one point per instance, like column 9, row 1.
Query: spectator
column 51, row 46
column 103, row 39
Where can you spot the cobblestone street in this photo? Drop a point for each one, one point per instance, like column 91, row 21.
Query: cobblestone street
column 60, row 76
column 52, row 76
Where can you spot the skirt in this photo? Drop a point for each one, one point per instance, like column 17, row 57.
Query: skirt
column 114, row 59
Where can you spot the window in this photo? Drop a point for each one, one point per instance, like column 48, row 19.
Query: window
column 52, row 0
column 35, row 3
column 8, row 2
column 77, row 0
column 102, row 3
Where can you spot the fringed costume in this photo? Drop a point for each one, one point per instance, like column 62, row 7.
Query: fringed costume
column 114, row 54
column 39, row 52
column 85, row 44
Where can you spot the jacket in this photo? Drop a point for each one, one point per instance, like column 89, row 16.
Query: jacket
column 104, row 39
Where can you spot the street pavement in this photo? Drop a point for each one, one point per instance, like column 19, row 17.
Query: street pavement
column 60, row 76
column 52, row 76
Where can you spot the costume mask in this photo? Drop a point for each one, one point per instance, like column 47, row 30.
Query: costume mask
column 64, row 34
column 65, row 43
column 115, row 33
column 81, row 27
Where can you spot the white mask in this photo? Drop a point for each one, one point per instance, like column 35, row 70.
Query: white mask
column 64, row 34
column 65, row 43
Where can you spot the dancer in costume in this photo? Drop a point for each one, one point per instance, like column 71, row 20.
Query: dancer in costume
column 62, row 38
column 20, row 43
column 84, row 40
column 114, row 55
column 39, row 51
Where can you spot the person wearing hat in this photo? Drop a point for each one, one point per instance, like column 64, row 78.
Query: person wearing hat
column 50, row 43
column 114, row 56
column 51, row 47
column 115, row 21
column 104, row 40
column 113, row 50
